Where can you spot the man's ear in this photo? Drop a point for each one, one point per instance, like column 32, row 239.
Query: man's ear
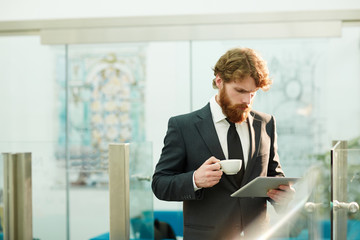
column 218, row 81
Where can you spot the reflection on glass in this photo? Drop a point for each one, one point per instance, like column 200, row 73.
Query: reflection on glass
column 306, row 215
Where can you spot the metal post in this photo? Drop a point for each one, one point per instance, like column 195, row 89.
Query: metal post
column 11, row 203
column 7, row 158
column 119, row 191
column 24, row 196
column 17, row 196
column 339, row 189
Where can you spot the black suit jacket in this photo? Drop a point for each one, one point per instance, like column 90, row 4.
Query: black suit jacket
column 210, row 213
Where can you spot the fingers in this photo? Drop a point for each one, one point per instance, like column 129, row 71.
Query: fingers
column 211, row 164
column 211, row 160
column 287, row 188
column 208, row 174
column 204, row 179
column 277, row 196
column 282, row 195
column 214, row 167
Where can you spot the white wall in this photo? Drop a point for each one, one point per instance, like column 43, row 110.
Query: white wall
column 45, row 9
column 26, row 79
column 343, row 85
column 167, row 94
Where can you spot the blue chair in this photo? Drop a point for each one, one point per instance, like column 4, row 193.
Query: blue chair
column 105, row 236
column 174, row 218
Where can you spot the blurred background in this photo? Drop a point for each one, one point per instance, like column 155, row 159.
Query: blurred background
column 78, row 75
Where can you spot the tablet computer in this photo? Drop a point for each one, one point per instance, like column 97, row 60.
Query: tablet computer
column 259, row 186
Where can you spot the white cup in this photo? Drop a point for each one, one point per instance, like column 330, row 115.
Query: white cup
column 230, row 166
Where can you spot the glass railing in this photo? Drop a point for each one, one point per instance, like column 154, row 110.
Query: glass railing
column 326, row 202
column 47, row 185
column 307, row 214
column 141, row 196
column 79, row 208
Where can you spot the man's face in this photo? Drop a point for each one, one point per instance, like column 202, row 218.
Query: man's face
column 236, row 97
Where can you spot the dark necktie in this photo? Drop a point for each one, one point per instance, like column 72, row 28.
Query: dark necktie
column 235, row 149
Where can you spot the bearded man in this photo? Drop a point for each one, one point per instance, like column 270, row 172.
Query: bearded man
column 188, row 169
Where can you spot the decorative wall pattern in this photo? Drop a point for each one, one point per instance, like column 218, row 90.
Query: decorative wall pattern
column 105, row 105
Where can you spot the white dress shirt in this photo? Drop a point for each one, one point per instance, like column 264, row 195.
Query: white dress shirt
column 222, row 127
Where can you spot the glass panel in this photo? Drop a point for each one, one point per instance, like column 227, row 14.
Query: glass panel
column 307, row 215
column 48, row 188
column 141, row 196
column 115, row 95
column 28, row 106
column 34, row 104
column 346, row 192
column 293, row 98
column 44, row 66
column 28, row 89
column 305, row 74
column 106, row 104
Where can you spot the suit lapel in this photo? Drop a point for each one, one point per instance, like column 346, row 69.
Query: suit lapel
column 254, row 131
column 208, row 132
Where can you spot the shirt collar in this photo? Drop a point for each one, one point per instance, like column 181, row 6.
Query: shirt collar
column 216, row 110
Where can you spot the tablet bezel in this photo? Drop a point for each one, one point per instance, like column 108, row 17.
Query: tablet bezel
column 259, row 186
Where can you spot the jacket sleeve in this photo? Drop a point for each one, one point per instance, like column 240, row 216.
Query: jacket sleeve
column 274, row 167
column 170, row 181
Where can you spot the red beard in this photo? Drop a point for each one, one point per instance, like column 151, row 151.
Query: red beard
column 235, row 113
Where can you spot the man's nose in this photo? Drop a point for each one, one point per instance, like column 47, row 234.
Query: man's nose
column 247, row 98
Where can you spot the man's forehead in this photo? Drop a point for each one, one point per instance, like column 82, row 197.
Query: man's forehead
column 245, row 84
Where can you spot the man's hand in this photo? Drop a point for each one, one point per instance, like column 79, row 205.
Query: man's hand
column 283, row 195
column 208, row 174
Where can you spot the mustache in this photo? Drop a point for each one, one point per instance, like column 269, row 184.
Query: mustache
column 242, row 106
